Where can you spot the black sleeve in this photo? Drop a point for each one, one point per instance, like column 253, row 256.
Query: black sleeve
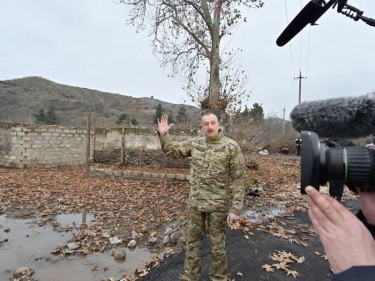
column 370, row 227
column 356, row 273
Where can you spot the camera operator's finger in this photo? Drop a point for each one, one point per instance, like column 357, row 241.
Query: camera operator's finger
column 319, row 219
column 325, row 210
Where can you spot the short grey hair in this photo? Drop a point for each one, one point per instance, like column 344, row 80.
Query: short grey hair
column 209, row 112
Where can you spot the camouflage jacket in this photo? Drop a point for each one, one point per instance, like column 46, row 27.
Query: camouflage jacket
column 216, row 174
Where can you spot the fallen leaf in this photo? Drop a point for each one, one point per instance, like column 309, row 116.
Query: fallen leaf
column 142, row 272
column 300, row 260
column 268, row 268
column 292, row 272
column 277, row 265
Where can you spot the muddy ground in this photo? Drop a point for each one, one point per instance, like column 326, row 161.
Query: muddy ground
column 126, row 210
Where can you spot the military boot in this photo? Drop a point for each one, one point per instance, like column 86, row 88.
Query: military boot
column 186, row 278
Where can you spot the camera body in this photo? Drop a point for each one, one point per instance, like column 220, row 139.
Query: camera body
column 353, row 166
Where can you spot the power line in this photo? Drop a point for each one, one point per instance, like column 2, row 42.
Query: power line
column 300, row 47
column 300, row 77
column 308, row 51
column 291, row 90
column 290, row 45
column 286, row 13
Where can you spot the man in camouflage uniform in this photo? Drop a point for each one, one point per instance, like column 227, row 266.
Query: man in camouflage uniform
column 216, row 193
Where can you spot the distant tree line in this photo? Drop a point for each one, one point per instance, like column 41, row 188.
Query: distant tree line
column 181, row 117
column 255, row 113
column 48, row 118
column 124, row 118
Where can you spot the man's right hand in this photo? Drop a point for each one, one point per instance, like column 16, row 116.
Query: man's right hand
column 163, row 126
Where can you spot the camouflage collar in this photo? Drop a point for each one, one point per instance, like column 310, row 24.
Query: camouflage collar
column 215, row 138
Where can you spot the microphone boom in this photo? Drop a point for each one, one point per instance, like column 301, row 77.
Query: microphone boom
column 309, row 14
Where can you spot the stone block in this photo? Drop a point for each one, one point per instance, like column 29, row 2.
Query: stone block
column 170, row 176
column 180, row 177
column 136, row 173
column 146, row 175
column 118, row 173
column 108, row 172
column 156, row 175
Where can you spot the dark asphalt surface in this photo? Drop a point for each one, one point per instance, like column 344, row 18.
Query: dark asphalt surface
column 247, row 256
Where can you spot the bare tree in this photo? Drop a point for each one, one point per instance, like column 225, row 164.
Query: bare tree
column 186, row 37
column 233, row 90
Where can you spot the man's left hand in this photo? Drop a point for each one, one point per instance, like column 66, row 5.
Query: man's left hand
column 231, row 218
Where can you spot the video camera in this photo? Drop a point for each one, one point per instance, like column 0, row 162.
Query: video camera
column 353, row 165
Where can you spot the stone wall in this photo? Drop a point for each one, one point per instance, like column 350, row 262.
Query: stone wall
column 5, row 136
column 24, row 145
column 141, row 146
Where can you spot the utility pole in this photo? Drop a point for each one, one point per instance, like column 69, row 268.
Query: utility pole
column 88, row 144
column 283, row 119
column 300, row 79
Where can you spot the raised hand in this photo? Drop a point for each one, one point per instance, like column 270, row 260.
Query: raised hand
column 163, row 126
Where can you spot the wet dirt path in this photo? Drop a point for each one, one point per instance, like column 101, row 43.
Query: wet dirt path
column 30, row 245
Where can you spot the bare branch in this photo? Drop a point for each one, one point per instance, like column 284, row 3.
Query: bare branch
column 186, row 39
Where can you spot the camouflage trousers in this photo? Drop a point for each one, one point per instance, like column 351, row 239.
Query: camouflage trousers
column 216, row 223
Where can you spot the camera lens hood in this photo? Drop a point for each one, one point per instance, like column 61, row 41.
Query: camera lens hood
column 310, row 159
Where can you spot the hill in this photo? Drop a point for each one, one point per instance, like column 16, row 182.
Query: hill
column 21, row 99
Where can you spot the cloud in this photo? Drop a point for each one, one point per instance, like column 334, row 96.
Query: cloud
column 87, row 43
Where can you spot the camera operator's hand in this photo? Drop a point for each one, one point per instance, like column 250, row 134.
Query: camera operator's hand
column 345, row 239
column 368, row 205
column 163, row 126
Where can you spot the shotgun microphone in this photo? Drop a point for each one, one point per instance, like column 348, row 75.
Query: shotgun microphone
column 309, row 14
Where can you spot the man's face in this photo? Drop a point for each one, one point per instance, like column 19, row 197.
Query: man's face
column 210, row 125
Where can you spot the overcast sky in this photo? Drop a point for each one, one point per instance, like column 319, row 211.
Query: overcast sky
column 86, row 43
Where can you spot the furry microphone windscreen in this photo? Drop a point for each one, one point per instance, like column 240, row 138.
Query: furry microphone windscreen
column 341, row 118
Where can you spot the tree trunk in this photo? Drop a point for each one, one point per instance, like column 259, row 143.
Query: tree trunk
column 215, row 84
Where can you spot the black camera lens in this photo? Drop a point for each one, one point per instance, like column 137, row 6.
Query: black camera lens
column 354, row 166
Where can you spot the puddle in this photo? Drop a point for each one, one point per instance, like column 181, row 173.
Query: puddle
column 31, row 245
column 267, row 213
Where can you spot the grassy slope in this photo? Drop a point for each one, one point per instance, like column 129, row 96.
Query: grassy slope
column 21, row 98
